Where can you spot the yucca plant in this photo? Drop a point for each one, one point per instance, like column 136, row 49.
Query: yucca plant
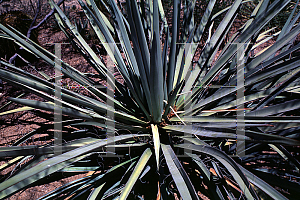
column 174, row 126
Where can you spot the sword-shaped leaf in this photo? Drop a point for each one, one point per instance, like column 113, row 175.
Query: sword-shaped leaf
column 180, row 177
column 229, row 164
column 136, row 173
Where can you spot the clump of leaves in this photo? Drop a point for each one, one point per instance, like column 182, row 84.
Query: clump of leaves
column 169, row 127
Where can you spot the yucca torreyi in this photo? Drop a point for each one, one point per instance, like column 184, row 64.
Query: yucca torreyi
column 169, row 127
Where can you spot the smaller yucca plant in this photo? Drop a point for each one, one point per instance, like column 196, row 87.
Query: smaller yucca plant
column 168, row 103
